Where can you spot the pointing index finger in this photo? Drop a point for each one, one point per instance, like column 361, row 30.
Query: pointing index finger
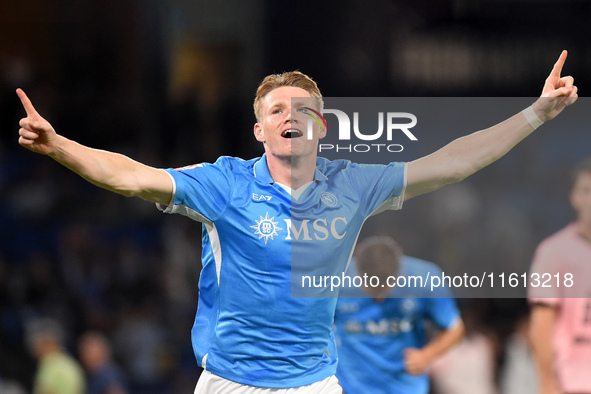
column 26, row 102
column 557, row 69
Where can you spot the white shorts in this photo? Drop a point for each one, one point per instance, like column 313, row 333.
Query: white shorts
column 212, row 384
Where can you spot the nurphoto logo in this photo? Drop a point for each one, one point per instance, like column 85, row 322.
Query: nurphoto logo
column 390, row 124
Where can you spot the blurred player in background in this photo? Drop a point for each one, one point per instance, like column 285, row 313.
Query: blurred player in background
column 561, row 314
column 249, row 331
column 104, row 377
column 58, row 372
column 381, row 332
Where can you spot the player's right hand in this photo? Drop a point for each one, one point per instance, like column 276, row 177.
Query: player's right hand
column 36, row 133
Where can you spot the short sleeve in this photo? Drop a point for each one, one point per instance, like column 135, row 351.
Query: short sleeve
column 201, row 191
column 443, row 312
column 442, row 308
column 382, row 186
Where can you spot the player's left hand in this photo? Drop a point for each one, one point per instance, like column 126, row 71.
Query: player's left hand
column 416, row 361
column 557, row 93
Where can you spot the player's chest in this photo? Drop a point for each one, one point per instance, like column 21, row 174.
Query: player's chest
column 269, row 214
column 392, row 317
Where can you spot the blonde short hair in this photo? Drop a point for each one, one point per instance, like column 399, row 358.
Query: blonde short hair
column 290, row 78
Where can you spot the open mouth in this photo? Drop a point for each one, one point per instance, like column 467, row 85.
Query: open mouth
column 292, row 133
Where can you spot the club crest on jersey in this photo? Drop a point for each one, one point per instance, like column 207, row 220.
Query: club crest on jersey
column 266, row 227
column 408, row 305
column 329, row 199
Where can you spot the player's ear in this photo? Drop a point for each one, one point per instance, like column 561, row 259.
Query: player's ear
column 258, row 132
column 322, row 133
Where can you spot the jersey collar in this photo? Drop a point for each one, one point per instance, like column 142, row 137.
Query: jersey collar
column 261, row 171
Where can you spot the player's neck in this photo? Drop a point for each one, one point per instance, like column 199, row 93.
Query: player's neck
column 584, row 230
column 291, row 171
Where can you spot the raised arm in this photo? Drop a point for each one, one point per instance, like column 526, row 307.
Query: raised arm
column 466, row 155
column 108, row 170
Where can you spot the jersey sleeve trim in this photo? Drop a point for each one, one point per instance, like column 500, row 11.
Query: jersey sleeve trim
column 454, row 323
column 396, row 202
column 404, row 182
column 168, row 208
column 180, row 209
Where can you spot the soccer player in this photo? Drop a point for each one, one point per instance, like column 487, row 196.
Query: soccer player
column 249, row 331
column 560, row 325
column 58, row 373
column 381, row 331
column 104, row 376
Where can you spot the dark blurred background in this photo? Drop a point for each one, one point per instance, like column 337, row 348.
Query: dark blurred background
column 171, row 83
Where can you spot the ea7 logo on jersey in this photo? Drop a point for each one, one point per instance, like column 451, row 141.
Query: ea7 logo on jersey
column 260, row 197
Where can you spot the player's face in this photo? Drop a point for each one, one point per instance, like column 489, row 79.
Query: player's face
column 580, row 197
column 283, row 129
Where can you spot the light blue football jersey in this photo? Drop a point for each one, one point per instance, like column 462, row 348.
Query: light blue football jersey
column 249, row 328
column 372, row 336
